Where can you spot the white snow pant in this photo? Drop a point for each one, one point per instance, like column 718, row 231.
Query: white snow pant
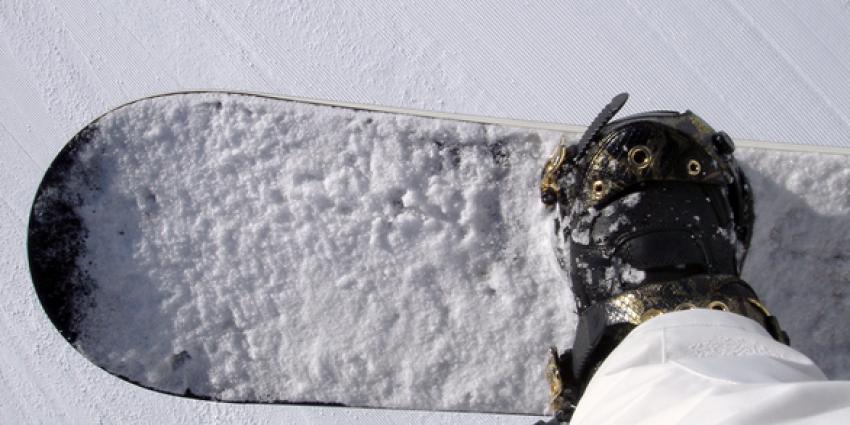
column 707, row 367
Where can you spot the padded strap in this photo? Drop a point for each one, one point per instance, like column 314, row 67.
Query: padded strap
column 652, row 250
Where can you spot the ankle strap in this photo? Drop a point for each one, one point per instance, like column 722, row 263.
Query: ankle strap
column 602, row 326
column 725, row 293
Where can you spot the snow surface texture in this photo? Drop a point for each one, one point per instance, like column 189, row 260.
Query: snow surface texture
column 759, row 68
column 255, row 249
column 798, row 261
column 259, row 249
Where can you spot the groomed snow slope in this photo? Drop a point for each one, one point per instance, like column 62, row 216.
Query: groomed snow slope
column 758, row 69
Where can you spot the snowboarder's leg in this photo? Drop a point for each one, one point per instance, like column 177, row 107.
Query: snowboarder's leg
column 701, row 366
column 653, row 216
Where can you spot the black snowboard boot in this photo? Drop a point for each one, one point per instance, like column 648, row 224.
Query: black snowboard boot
column 653, row 215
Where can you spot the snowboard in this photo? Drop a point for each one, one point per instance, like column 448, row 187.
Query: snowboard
column 249, row 248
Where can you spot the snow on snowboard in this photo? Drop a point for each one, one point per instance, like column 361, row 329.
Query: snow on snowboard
column 250, row 248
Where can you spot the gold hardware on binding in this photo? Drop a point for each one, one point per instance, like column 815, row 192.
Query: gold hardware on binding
column 599, row 189
column 759, row 306
column 551, row 170
column 556, row 385
column 640, row 157
column 694, row 167
column 718, row 305
column 649, row 314
column 686, row 306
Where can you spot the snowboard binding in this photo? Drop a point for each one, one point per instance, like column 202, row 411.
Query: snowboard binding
column 653, row 215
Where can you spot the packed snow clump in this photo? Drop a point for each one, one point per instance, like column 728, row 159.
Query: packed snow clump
column 256, row 249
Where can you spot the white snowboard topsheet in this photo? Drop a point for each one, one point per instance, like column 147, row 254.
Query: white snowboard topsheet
column 256, row 249
column 249, row 248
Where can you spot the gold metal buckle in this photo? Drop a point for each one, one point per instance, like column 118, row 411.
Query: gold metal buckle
column 755, row 303
column 551, row 171
column 556, row 384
